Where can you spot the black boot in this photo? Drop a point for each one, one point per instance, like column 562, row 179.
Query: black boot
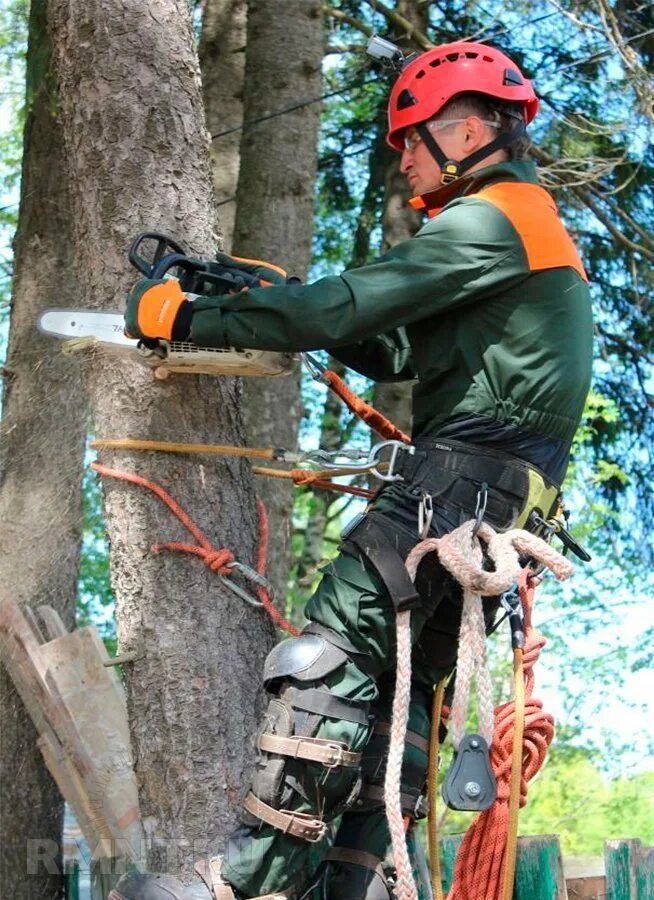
column 165, row 887
column 158, row 887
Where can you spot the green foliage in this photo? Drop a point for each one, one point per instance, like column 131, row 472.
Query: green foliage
column 95, row 601
column 13, row 42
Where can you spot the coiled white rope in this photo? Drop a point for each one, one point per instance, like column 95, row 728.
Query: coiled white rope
column 462, row 555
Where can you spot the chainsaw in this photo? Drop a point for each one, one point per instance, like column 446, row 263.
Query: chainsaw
column 156, row 255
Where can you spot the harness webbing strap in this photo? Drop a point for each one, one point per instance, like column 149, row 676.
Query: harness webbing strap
column 323, row 703
column 356, row 858
column 412, row 737
column 370, row 542
column 410, row 802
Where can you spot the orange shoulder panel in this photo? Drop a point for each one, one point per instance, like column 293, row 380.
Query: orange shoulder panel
column 533, row 214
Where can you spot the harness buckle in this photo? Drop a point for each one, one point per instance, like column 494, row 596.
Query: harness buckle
column 480, row 509
column 425, row 515
column 375, row 459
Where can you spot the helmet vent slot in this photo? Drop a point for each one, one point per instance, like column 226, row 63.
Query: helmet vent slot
column 512, row 78
column 434, row 63
column 452, row 57
column 406, row 99
column 470, row 55
column 420, row 74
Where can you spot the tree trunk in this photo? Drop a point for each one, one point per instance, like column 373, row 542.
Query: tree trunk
column 332, row 428
column 138, row 153
column 274, row 215
column 222, row 62
column 399, row 223
column 41, row 452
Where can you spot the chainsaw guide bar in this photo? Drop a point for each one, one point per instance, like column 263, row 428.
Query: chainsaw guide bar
column 107, row 329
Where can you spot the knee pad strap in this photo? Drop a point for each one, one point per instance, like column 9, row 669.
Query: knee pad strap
column 300, row 825
column 330, row 754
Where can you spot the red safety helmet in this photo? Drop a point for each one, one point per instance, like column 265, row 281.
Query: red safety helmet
column 429, row 82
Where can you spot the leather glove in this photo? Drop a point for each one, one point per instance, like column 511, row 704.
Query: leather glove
column 158, row 309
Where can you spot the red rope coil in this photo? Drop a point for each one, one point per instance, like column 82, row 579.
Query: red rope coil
column 480, row 861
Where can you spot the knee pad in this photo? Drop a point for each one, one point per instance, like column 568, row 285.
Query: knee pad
column 300, row 763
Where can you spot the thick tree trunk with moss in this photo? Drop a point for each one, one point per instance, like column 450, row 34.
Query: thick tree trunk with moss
column 222, row 62
column 139, row 157
column 41, row 452
column 274, row 215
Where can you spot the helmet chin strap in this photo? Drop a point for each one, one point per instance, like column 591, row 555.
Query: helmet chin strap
column 452, row 169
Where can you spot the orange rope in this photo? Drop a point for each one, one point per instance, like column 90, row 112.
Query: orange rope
column 216, row 560
column 479, row 871
column 367, row 413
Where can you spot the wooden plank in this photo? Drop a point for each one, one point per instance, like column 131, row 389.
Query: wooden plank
column 21, row 654
column 620, row 857
column 449, row 845
column 645, row 874
column 71, row 879
column 539, row 869
column 629, row 870
column 592, row 887
column 52, row 622
column 95, row 700
column 34, row 624
column 78, row 707
column 73, row 789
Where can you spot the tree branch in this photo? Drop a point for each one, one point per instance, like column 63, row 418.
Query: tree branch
column 585, row 195
column 399, row 21
column 345, row 17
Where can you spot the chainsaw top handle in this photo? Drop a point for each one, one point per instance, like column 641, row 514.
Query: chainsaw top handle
column 196, row 276
column 164, row 246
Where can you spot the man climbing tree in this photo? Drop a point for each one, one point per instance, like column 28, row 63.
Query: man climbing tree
column 488, row 307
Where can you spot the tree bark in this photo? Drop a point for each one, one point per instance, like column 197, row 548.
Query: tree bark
column 399, row 223
column 41, row 452
column 331, row 428
column 274, row 215
column 138, row 153
column 222, row 62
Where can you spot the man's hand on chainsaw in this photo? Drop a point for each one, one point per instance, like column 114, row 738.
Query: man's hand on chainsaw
column 266, row 273
column 158, row 309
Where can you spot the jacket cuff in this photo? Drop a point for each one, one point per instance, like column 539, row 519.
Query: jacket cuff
column 208, row 327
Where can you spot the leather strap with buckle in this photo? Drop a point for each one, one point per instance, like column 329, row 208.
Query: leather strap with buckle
column 300, row 825
column 330, row 754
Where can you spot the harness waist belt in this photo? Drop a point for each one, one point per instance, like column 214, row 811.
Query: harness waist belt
column 501, row 471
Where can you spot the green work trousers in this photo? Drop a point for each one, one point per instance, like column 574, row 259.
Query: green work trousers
column 352, row 602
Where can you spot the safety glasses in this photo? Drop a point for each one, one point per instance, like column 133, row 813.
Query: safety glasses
column 412, row 138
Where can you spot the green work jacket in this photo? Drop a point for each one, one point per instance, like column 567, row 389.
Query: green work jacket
column 487, row 306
